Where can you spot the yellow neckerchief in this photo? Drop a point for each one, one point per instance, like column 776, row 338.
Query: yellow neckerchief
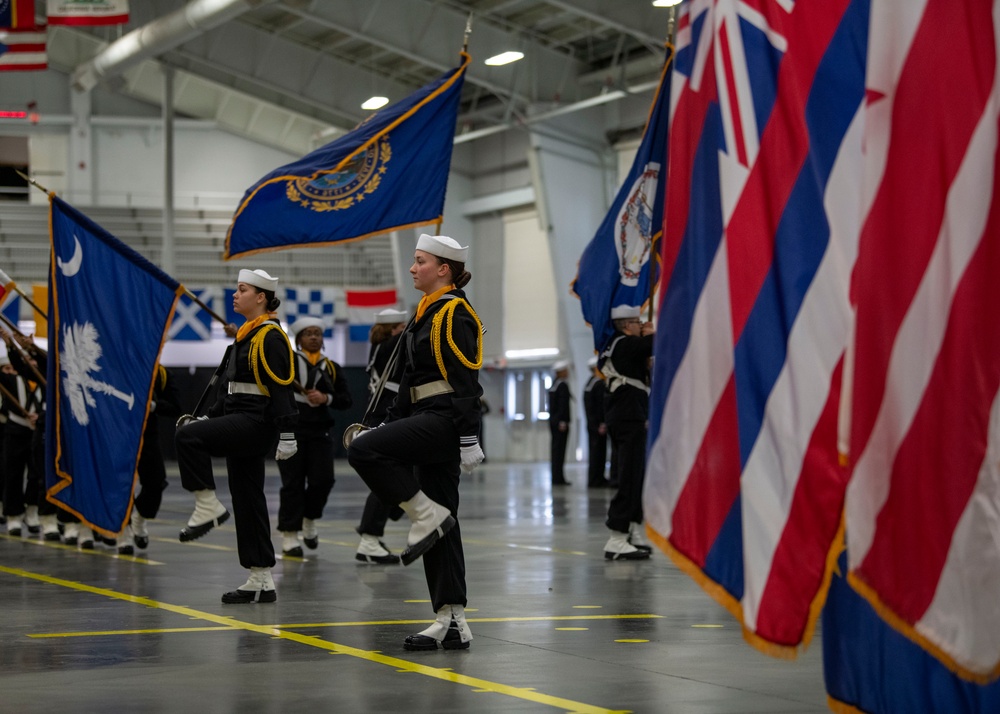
column 426, row 300
column 448, row 311
column 249, row 326
column 313, row 358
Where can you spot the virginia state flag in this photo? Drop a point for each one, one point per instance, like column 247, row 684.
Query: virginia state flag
column 743, row 486
column 620, row 263
column 390, row 172
column 109, row 310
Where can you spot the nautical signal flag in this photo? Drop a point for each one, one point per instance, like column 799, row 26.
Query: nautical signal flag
column 311, row 302
column 109, row 314
column 91, row 12
column 191, row 322
column 390, row 172
column 17, row 14
column 362, row 306
column 620, row 265
column 23, row 49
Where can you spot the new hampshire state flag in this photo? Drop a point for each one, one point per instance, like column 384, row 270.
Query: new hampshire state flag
column 390, row 172
column 109, row 310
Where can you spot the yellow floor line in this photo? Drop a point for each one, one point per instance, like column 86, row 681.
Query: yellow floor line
column 76, row 549
column 194, row 543
column 400, row 665
column 360, row 623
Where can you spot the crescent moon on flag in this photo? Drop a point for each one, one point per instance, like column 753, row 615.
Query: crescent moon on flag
column 71, row 267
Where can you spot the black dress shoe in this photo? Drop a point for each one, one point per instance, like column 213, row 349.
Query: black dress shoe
column 193, row 532
column 295, row 552
column 564, row 482
column 245, row 597
column 452, row 641
column 311, row 543
column 34, row 530
column 637, row 554
column 142, row 542
column 125, row 550
column 638, row 546
column 70, row 541
column 53, row 536
column 391, row 559
column 414, row 551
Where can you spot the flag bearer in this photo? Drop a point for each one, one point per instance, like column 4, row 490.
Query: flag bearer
column 20, row 497
column 431, row 434
column 597, row 429
column 254, row 408
column 384, row 337
column 307, row 477
column 625, row 364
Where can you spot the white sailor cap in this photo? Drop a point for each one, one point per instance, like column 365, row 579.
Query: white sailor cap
column 625, row 312
column 259, row 279
column 304, row 322
column 390, row 316
column 443, row 247
column 560, row 365
column 592, row 362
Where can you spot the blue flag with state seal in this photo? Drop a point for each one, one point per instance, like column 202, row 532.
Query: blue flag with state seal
column 619, row 265
column 388, row 173
column 109, row 311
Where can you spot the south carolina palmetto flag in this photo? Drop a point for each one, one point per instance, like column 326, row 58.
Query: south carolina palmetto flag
column 108, row 317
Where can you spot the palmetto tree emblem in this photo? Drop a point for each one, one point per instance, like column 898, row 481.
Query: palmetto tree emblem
column 80, row 354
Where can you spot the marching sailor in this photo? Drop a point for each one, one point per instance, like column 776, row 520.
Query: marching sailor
column 430, row 434
column 307, row 477
column 559, row 418
column 255, row 407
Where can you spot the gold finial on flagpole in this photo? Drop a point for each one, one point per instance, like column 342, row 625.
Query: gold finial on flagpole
column 468, row 31
column 33, row 182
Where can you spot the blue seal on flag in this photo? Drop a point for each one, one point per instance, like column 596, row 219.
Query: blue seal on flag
column 337, row 190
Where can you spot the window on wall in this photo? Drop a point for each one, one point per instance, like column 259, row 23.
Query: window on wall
column 530, row 309
column 527, row 394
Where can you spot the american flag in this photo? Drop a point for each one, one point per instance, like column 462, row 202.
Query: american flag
column 743, row 485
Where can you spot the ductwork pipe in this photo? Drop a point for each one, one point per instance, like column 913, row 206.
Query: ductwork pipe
column 157, row 37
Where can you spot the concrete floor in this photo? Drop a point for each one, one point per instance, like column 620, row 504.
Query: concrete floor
column 557, row 628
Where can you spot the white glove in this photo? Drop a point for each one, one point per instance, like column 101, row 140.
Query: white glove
column 188, row 418
column 471, row 456
column 287, row 447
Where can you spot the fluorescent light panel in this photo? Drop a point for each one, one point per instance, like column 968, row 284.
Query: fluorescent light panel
column 666, row 3
column 504, row 58
column 375, row 103
column 532, row 354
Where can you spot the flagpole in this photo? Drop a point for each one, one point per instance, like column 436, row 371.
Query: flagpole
column 468, row 31
column 8, row 397
column 671, row 19
column 24, row 354
column 197, row 301
column 33, row 183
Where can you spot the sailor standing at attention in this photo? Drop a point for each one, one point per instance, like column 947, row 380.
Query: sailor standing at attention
column 430, row 434
column 255, row 407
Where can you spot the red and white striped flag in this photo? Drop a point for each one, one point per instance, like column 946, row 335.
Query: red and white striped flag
column 22, row 50
column 362, row 306
column 923, row 503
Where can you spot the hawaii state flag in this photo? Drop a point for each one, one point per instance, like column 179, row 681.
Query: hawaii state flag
column 390, row 172
column 362, row 306
column 109, row 311
column 23, row 49
column 87, row 12
column 743, row 487
column 923, row 505
column 619, row 265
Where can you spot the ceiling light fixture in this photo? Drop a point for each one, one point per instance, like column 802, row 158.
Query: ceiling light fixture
column 504, row 58
column 666, row 3
column 375, row 103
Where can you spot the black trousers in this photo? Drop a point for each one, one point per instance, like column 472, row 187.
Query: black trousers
column 152, row 473
column 306, row 480
column 558, row 453
column 375, row 515
column 419, row 453
column 597, row 445
column 18, row 456
column 628, row 440
column 244, row 440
